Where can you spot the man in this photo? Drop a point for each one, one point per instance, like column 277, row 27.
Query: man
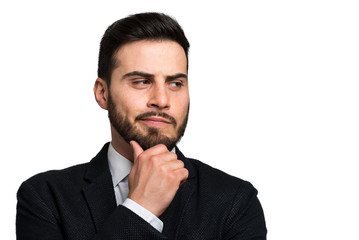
column 140, row 186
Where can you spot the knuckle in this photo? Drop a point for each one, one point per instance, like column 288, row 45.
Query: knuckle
column 141, row 159
column 163, row 168
column 184, row 173
column 161, row 147
column 173, row 155
column 171, row 177
column 180, row 164
column 155, row 160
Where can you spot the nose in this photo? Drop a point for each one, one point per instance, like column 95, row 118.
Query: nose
column 159, row 97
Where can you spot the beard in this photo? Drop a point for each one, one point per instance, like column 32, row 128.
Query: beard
column 149, row 137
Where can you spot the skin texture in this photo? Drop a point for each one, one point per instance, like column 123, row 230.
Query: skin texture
column 150, row 78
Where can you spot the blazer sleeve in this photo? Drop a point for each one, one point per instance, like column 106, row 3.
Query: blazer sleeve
column 35, row 220
column 246, row 219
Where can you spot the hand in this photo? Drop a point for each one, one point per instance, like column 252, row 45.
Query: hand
column 155, row 177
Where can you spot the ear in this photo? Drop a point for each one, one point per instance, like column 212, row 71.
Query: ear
column 101, row 93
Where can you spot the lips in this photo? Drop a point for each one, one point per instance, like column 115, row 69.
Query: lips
column 156, row 119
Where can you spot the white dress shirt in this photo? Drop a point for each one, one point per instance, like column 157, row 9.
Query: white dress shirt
column 120, row 167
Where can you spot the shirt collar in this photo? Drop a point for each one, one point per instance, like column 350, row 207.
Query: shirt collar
column 120, row 166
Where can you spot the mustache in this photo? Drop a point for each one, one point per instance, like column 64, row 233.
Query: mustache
column 157, row 114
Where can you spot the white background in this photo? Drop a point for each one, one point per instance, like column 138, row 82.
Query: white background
column 274, row 100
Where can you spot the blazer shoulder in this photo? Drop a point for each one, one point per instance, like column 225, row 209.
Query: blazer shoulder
column 204, row 170
column 68, row 179
column 213, row 178
column 217, row 181
column 73, row 173
column 39, row 195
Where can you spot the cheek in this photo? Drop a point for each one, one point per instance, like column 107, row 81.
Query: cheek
column 126, row 102
column 133, row 106
column 121, row 106
column 182, row 108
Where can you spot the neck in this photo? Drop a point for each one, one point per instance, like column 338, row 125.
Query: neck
column 121, row 146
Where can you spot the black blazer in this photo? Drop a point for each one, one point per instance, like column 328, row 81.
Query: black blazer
column 78, row 203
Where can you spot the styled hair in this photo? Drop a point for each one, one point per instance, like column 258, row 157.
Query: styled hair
column 137, row 27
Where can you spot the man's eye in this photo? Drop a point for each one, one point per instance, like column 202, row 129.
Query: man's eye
column 176, row 84
column 141, row 82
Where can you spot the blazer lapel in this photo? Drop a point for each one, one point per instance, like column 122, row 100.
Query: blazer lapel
column 101, row 200
column 173, row 216
column 99, row 193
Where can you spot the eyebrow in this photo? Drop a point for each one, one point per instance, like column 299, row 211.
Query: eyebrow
column 176, row 76
column 138, row 74
column 152, row 76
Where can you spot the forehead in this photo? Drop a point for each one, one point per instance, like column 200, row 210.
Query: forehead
column 163, row 56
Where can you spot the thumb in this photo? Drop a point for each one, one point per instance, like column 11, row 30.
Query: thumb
column 137, row 149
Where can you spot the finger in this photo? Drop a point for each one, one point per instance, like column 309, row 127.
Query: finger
column 175, row 164
column 158, row 149
column 183, row 174
column 167, row 157
column 137, row 149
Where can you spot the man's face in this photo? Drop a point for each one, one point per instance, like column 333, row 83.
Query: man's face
column 148, row 97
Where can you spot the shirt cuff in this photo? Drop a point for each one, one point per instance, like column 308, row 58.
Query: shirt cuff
column 144, row 213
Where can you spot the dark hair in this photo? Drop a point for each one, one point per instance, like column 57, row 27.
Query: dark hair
column 137, row 27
